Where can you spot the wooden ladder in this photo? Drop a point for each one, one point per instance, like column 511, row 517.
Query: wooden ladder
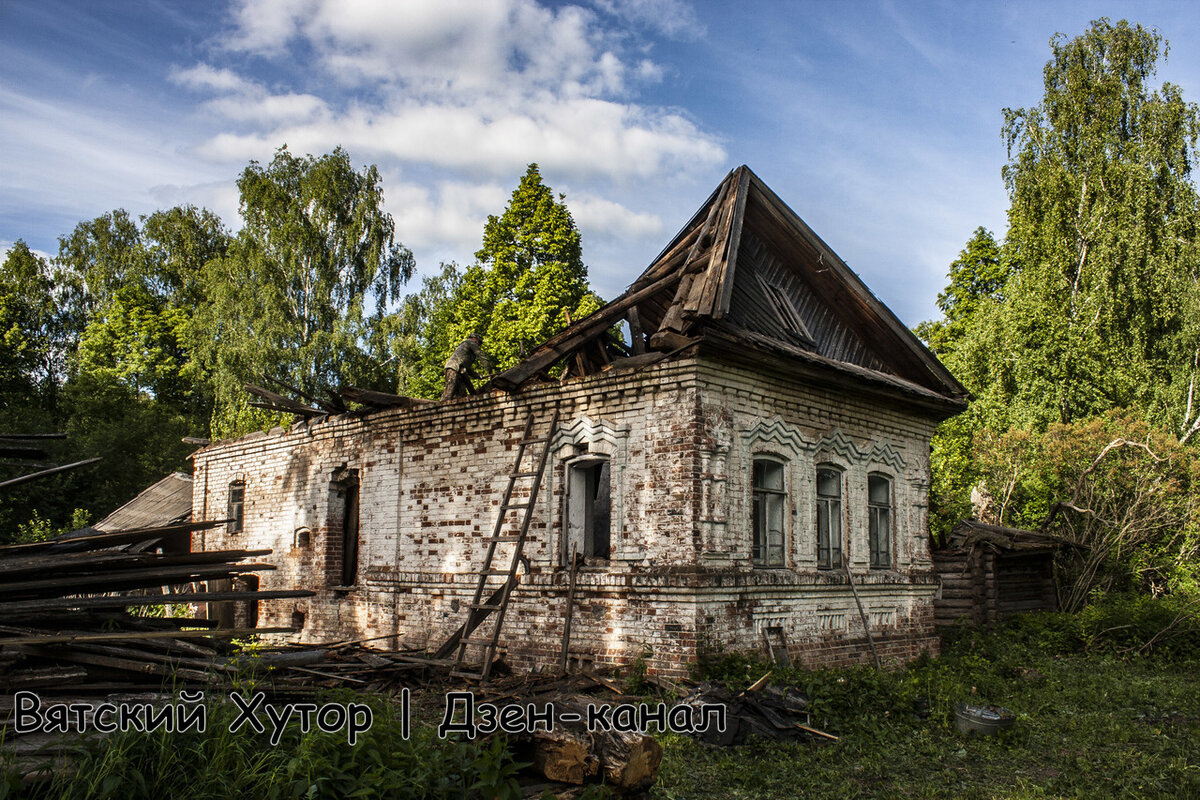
column 490, row 595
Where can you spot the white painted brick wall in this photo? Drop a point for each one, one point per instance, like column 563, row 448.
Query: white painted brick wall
column 680, row 438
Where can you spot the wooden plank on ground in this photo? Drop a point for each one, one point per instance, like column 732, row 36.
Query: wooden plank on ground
column 51, row 604
column 128, row 579
column 100, row 540
column 130, row 636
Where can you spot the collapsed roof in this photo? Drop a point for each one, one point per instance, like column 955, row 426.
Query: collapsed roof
column 746, row 272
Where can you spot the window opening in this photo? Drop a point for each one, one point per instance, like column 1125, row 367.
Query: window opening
column 237, row 505
column 350, row 531
column 588, row 509
column 879, row 507
column 785, row 309
column 769, row 496
column 829, row 518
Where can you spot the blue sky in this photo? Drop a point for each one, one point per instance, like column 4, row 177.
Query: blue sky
column 878, row 122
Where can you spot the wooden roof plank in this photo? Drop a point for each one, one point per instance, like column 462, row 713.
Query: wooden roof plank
column 283, row 403
column 721, row 307
column 13, row 607
column 578, row 334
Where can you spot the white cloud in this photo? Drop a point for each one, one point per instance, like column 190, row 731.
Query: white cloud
column 266, row 26
column 598, row 217
column 243, row 100
column 79, row 162
column 203, row 76
column 479, row 86
column 674, row 18
column 577, row 137
column 445, row 214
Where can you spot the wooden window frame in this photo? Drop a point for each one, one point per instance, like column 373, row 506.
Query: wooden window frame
column 877, row 512
column 236, row 507
column 765, row 501
column 830, row 510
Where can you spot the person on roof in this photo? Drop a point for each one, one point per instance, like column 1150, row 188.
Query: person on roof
column 460, row 367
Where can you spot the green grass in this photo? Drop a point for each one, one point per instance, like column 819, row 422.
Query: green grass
column 1092, row 721
column 218, row 764
column 1099, row 714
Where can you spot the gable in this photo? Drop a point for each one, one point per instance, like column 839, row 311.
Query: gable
column 747, row 272
column 773, row 299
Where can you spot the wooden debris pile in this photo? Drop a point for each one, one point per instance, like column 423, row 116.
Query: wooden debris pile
column 334, row 402
column 66, row 610
column 761, row 710
column 626, row 761
column 347, row 665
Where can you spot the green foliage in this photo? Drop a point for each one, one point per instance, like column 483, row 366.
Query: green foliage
column 138, row 436
column 39, row 529
column 1122, row 491
column 635, row 675
column 220, row 764
column 1091, row 304
column 529, row 275
column 1137, row 624
column 30, row 359
column 1096, row 717
column 529, row 279
column 104, row 350
column 1101, row 309
column 301, row 288
column 978, row 274
column 141, row 341
column 32, row 363
column 143, row 330
column 423, row 333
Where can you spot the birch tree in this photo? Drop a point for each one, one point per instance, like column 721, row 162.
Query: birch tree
column 315, row 266
column 1102, row 309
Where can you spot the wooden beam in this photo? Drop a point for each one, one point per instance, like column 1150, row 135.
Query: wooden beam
column 101, row 540
column 721, row 307
column 127, row 579
column 124, row 601
column 33, row 476
column 337, row 407
column 578, row 334
column 130, row 636
column 282, row 403
column 638, row 339
column 381, row 399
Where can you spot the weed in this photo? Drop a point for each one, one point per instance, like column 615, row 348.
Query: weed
column 1098, row 715
column 219, row 764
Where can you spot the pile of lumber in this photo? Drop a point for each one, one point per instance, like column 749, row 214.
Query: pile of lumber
column 347, row 665
column 69, row 621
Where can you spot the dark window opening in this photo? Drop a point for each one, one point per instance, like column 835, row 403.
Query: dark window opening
column 769, row 498
column 879, row 509
column 350, row 532
column 588, row 510
column 237, row 506
column 829, row 518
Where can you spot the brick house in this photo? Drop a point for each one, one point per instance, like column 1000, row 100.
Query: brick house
column 756, row 458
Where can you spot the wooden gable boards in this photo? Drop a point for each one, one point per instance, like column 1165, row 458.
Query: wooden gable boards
column 747, row 269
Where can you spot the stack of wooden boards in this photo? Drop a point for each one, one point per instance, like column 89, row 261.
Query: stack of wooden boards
column 93, row 613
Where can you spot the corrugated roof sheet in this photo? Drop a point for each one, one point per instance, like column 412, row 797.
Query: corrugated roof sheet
column 165, row 503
